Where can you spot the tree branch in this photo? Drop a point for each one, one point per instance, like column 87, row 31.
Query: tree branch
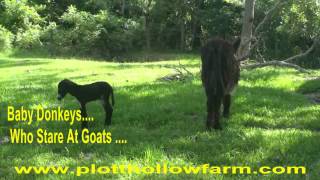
column 185, row 69
column 283, row 63
column 268, row 15
column 276, row 63
column 255, row 37
column 303, row 54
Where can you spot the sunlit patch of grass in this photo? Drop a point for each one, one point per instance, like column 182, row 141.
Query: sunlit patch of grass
column 271, row 123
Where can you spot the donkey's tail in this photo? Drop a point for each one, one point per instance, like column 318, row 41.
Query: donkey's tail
column 219, row 71
column 212, row 69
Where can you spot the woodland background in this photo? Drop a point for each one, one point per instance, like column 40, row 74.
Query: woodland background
column 115, row 29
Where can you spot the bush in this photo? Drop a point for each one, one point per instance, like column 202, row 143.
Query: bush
column 82, row 33
column 17, row 15
column 29, row 38
column 81, row 30
column 120, row 35
column 52, row 39
column 6, row 38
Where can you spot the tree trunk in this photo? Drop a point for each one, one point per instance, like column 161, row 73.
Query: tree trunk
column 123, row 7
column 196, row 27
column 182, row 35
column 246, row 33
column 196, row 32
column 246, row 38
column 147, row 31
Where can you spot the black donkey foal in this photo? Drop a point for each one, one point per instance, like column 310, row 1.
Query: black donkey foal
column 87, row 93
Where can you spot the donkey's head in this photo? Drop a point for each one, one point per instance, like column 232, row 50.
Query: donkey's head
column 64, row 88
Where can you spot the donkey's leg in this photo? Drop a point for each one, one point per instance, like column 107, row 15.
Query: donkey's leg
column 216, row 112
column 213, row 110
column 84, row 124
column 226, row 105
column 209, row 112
column 108, row 110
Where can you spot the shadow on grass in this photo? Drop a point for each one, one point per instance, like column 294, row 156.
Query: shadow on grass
column 167, row 118
column 259, row 74
column 310, row 86
column 270, row 108
column 12, row 63
column 294, row 149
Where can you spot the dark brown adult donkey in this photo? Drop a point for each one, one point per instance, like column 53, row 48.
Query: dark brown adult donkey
column 220, row 74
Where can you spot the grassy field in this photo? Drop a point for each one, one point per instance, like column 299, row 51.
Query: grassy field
column 271, row 123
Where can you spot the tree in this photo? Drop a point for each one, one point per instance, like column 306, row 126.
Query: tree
column 246, row 32
column 247, row 37
column 196, row 26
column 146, row 7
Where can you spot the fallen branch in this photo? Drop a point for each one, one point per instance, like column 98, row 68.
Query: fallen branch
column 256, row 38
column 182, row 74
column 173, row 77
column 276, row 63
column 315, row 43
column 285, row 63
column 185, row 69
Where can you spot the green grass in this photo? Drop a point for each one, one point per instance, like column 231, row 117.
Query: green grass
column 271, row 124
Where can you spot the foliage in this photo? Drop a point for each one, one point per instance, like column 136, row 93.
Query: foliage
column 29, row 38
column 225, row 23
column 18, row 15
column 113, row 28
column 291, row 31
column 6, row 38
column 78, row 31
column 83, row 33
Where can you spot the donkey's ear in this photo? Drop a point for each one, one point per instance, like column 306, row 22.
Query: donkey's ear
column 236, row 44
